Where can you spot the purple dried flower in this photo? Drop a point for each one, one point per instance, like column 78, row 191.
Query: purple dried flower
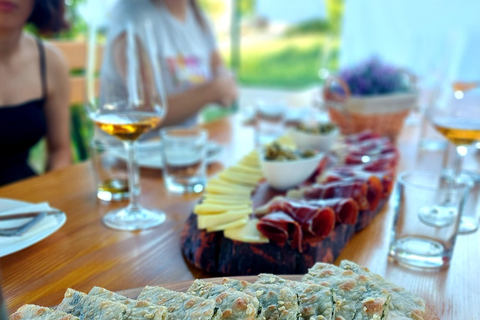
column 374, row 77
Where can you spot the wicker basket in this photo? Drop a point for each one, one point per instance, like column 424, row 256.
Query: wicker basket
column 383, row 114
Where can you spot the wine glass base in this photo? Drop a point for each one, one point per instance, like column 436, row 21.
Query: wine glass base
column 467, row 225
column 134, row 218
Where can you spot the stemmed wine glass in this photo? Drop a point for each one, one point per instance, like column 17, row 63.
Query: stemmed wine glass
column 128, row 101
column 456, row 115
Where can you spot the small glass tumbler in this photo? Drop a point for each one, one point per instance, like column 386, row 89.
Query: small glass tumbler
column 183, row 157
column 269, row 121
column 427, row 215
column 109, row 169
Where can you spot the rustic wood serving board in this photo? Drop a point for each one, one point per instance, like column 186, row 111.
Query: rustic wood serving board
column 184, row 285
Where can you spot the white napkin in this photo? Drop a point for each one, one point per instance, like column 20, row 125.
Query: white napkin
column 46, row 223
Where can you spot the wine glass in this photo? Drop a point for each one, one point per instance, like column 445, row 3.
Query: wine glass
column 456, row 115
column 128, row 102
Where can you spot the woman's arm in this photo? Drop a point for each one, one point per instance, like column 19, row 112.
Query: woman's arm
column 57, row 110
column 181, row 106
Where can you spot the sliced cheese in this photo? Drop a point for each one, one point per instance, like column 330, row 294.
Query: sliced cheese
column 216, row 189
column 247, row 233
column 228, row 184
column 212, row 220
column 240, row 179
column 234, row 224
column 252, row 176
column 233, row 197
column 227, row 201
column 216, row 209
column 246, row 169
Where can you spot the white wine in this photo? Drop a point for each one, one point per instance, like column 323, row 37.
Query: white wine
column 127, row 125
column 459, row 131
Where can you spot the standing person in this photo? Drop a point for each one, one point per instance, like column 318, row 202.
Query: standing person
column 34, row 88
column 193, row 71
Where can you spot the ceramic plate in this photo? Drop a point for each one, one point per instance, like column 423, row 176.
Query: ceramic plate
column 9, row 245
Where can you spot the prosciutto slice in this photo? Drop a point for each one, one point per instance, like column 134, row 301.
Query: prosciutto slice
column 379, row 182
column 280, row 227
column 357, row 190
column 345, row 209
column 315, row 221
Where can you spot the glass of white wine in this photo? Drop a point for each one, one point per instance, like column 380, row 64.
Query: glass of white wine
column 126, row 101
column 456, row 115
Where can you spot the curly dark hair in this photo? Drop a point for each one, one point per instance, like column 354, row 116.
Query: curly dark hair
column 48, row 16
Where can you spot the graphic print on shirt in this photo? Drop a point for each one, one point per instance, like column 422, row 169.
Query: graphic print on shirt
column 186, row 71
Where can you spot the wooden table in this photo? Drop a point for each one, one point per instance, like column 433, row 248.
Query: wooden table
column 84, row 253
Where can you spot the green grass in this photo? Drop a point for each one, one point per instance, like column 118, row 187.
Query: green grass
column 286, row 62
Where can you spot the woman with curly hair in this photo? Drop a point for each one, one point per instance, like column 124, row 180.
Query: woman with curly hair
column 34, row 88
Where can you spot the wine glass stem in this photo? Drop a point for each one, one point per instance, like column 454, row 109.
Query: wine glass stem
column 133, row 175
column 461, row 152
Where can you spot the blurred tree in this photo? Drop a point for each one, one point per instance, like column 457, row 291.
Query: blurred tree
column 334, row 14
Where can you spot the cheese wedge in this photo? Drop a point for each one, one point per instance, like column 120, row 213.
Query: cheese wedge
column 215, row 209
column 234, row 224
column 246, row 233
column 212, row 220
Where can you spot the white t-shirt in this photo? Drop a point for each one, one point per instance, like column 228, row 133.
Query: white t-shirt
column 184, row 47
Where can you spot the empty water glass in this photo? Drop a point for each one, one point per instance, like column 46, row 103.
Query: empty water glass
column 427, row 214
column 183, row 157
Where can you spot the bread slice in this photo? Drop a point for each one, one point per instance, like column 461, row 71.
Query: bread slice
column 31, row 311
column 359, row 297
column 137, row 309
column 404, row 305
column 181, row 305
column 314, row 300
column 88, row 307
column 276, row 302
column 232, row 303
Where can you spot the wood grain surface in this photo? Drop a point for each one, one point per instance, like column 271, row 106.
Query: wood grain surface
column 84, row 253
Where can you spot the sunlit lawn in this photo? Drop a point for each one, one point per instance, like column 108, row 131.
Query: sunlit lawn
column 286, row 62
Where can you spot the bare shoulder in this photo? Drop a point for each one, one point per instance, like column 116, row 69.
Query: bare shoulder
column 56, row 61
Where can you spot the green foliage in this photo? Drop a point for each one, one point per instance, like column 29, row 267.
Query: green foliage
column 308, row 27
column 246, row 7
column 335, row 13
column 285, row 62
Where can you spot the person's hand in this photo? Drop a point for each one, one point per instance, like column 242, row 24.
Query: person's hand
column 225, row 89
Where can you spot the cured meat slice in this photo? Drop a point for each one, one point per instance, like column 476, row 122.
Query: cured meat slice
column 361, row 136
column 357, row 190
column 280, row 227
column 345, row 209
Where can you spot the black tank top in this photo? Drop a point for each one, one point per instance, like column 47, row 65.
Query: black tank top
column 21, row 127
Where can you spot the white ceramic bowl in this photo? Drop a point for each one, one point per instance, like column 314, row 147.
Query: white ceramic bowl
column 284, row 175
column 320, row 142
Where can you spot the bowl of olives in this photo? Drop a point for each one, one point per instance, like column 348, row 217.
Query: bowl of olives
column 317, row 136
column 285, row 168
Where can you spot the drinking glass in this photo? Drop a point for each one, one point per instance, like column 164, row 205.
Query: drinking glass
column 269, row 121
column 456, row 115
column 128, row 102
column 184, row 159
column 415, row 240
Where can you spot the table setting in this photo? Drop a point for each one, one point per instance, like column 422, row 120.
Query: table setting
column 328, row 219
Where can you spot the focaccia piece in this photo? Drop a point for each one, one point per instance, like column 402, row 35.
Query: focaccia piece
column 276, row 302
column 180, row 305
column 358, row 296
column 31, row 311
column 314, row 300
column 232, row 303
column 137, row 309
column 91, row 308
column 404, row 305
